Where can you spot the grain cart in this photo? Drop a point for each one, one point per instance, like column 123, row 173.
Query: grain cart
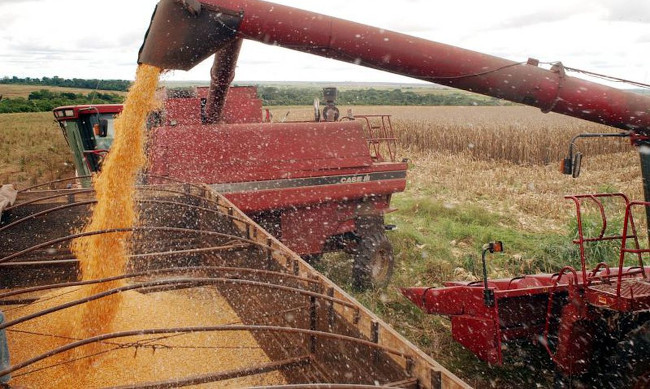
column 209, row 298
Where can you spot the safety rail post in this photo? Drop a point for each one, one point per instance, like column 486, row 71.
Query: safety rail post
column 637, row 245
column 313, row 321
column 330, row 309
column 436, row 379
column 391, row 141
column 549, row 306
column 629, row 219
column 373, row 143
column 383, row 135
column 374, row 337
column 596, row 198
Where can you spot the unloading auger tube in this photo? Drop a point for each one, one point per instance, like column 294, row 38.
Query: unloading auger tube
column 185, row 32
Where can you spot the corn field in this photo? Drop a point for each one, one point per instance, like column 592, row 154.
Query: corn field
column 32, row 149
column 518, row 135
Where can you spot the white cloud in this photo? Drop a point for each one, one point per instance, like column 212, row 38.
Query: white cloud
column 637, row 11
column 74, row 38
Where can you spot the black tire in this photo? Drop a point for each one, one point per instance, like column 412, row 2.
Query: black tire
column 373, row 262
column 632, row 360
column 312, row 258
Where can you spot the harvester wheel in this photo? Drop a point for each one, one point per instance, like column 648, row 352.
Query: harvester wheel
column 633, row 359
column 373, row 261
column 312, row 258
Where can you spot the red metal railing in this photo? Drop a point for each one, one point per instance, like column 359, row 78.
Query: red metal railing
column 381, row 140
column 628, row 232
column 581, row 240
column 572, row 282
column 629, row 221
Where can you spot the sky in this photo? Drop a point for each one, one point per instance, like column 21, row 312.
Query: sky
column 100, row 39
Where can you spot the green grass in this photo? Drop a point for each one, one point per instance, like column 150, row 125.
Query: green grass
column 438, row 237
column 436, row 242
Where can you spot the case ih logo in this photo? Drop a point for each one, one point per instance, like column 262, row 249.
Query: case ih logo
column 310, row 181
column 355, row 179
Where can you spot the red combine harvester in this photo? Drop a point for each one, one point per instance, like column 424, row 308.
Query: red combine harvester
column 581, row 316
column 318, row 186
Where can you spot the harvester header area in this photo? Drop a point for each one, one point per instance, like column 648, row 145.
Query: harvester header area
column 591, row 320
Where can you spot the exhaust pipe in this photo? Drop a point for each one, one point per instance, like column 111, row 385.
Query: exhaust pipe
column 182, row 33
column 221, row 76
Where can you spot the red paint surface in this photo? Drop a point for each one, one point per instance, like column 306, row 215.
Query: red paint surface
column 242, row 104
column 301, row 197
column 306, row 229
column 89, row 109
column 443, row 64
column 251, row 152
column 520, row 311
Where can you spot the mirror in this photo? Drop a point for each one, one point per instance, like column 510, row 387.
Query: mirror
column 566, row 166
column 316, row 110
column 577, row 162
column 496, row 247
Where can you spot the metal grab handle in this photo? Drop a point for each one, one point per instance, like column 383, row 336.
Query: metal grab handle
column 596, row 269
column 572, row 282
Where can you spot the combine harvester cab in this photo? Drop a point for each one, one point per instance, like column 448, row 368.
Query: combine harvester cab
column 317, row 185
column 592, row 321
column 89, row 132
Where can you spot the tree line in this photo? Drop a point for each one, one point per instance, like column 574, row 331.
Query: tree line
column 45, row 100
column 112, row 85
column 274, row 96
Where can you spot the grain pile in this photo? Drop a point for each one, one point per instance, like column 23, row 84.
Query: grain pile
column 158, row 357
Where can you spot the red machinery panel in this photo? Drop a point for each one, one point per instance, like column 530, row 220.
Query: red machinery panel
column 183, row 112
column 249, row 152
column 242, row 104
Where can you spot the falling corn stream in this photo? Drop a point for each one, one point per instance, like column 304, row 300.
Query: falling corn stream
column 105, row 255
